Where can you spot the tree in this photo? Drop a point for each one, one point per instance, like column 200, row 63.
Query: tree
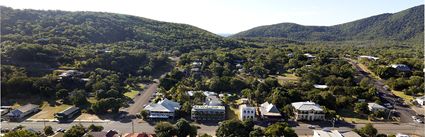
column 361, row 108
column 165, row 129
column 20, row 133
column 78, row 97
column 368, row 131
column 257, row 132
column 231, row 128
column 183, row 128
column 279, row 129
column 193, row 131
column 75, row 131
column 144, row 113
column 62, row 94
column 386, row 72
column 95, row 128
column 205, row 135
column 48, row 130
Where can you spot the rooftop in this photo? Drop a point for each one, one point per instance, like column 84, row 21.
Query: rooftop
column 164, row 105
column 70, row 110
column 269, row 109
column 201, row 107
column 335, row 133
column 306, row 106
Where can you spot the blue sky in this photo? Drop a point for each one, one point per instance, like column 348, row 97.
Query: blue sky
column 230, row 16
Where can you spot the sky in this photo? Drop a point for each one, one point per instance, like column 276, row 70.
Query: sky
column 230, row 16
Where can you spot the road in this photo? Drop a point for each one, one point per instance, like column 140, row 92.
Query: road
column 142, row 99
column 300, row 129
column 405, row 113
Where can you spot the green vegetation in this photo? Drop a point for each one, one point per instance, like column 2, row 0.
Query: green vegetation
column 404, row 25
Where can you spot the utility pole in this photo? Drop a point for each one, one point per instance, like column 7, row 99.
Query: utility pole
column 44, row 122
column 132, row 126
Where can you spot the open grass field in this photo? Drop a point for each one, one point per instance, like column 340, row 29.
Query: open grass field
column 351, row 117
column 287, row 78
column 47, row 111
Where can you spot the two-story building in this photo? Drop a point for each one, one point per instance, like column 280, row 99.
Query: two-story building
column 164, row 109
column 269, row 111
column 246, row 112
column 308, row 111
column 206, row 112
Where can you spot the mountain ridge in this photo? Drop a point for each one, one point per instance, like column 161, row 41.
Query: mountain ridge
column 401, row 25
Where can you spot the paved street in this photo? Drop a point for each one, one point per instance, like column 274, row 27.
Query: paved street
column 405, row 113
column 142, row 99
column 300, row 129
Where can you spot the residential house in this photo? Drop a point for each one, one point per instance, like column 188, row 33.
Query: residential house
column 23, row 111
column 320, row 86
column 420, row 100
column 110, row 133
column 212, row 101
column 67, row 114
column 373, row 107
column 368, row 57
column 69, row 73
column 206, row 112
column 400, row 67
column 269, row 111
column 308, row 111
column 163, row 109
column 5, row 109
column 246, row 112
column 334, row 133
column 308, row 55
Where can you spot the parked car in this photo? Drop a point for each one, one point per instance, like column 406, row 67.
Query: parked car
column 60, row 130
column 311, row 127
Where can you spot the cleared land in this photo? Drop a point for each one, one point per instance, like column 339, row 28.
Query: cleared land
column 47, row 111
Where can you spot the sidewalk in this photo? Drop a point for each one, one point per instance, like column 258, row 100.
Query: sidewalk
column 78, row 121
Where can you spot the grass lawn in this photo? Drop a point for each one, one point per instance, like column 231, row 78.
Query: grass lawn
column 349, row 116
column 92, row 100
column 407, row 98
column 287, row 77
column 47, row 111
column 131, row 94
column 365, row 68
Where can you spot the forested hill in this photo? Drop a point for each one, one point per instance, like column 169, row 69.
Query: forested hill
column 403, row 25
column 72, row 28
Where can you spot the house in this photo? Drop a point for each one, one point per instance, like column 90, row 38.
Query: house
column 334, row 133
column 308, row 55
column 212, row 101
column 291, row 55
column 196, row 64
column 420, row 100
column 5, row 109
column 400, row 67
column 320, row 86
column 67, row 114
column 246, row 112
column 368, row 57
column 163, row 109
column 373, row 107
column 138, row 135
column 69, row 74
column 206, row 112
column 308, row 111
column 22, row 111
column 269, row 111
column 206, row 93
column 110, row 133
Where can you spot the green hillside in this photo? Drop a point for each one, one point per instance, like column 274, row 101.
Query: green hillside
column 403, row 25
column 73, row 28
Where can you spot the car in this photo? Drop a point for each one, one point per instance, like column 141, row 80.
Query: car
column 311, row 127
column 388, row 105
column 138, row 94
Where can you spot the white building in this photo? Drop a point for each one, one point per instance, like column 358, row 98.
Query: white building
column 269, row 111
column 308, row 111
column 163, row 109
column 401, row 135
column 205, row 112
column 334, row 133
column 420, row 100
column 369, row 57
column 246, row 112
column 320, row 86
column 23, row 111
column 373, row 107
column 308, row 55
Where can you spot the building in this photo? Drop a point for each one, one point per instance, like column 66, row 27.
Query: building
column 420, row 100
column 401, row 135
column 320, row 86
column 212, row 101
column 163, row 109
column 308, row 111
column 23, row 111
column 334, row 133
column 67, row 114
column 206, row 112
column 308, row 55
column 246, row 112
column 269, row 111
column 206, row 93
column 368, row 57
column 110, row 133
column 400, row 67
column 5, row 109
column 69, row 73
column 373, row 107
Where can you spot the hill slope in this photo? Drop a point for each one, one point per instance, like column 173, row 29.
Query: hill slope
column 71, row 28
column 402, row 25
